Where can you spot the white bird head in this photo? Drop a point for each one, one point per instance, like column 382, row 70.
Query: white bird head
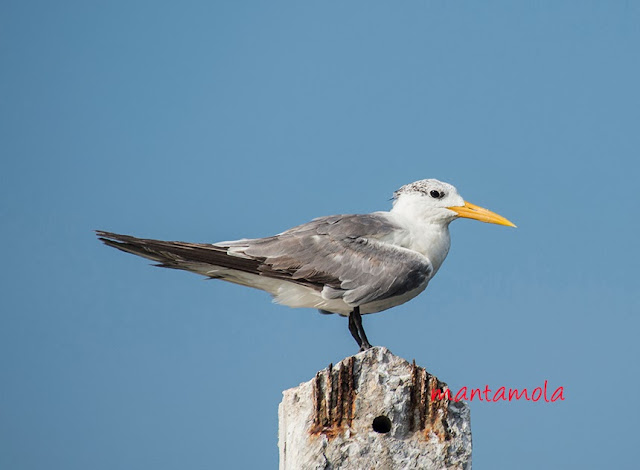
column 438, row 202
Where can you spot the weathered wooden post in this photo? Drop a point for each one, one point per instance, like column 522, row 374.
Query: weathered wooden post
column 372, row 411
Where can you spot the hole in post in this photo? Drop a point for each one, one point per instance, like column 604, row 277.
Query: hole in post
column 382, row 424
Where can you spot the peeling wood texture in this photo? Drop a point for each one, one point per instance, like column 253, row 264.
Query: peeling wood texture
column 373, row 410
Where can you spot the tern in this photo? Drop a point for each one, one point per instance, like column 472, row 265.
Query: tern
column 350, row 265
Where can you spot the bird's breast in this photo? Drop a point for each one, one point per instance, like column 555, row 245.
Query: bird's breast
column 430, row 240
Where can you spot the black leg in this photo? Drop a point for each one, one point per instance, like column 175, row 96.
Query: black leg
column 357, row 330
column 354, row 329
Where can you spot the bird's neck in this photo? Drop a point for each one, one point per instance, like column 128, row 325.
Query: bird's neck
column 424, row 234
column 433, row 241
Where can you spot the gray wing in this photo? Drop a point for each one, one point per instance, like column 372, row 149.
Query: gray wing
column 344, row 255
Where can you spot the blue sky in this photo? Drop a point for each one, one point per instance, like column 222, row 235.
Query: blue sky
column 207, row 121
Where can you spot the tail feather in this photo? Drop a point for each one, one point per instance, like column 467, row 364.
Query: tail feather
column 179, row 255
column 201, row 258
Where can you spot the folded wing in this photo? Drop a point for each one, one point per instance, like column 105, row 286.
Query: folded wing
column 346, row 257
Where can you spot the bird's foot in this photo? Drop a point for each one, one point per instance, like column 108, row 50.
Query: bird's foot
column 364, row 346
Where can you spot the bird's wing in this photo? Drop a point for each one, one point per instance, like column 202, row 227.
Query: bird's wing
column 200, row 258
column 342, row 256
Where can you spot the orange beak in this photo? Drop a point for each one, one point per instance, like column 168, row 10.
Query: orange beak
column 471, row 211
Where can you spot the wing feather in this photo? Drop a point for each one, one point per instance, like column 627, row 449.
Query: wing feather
column 344, row 257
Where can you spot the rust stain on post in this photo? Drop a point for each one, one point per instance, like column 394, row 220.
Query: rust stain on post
column 334, row 397
column 426, row 415
column 333, row 400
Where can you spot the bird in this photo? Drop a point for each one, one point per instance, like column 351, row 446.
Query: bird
column 349, row 264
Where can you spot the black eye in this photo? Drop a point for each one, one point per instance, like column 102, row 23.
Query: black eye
column 436, row 194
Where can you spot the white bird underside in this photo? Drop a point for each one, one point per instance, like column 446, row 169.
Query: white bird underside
column 344, row 264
